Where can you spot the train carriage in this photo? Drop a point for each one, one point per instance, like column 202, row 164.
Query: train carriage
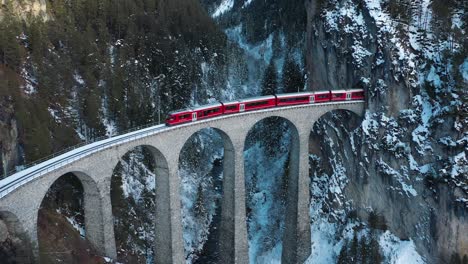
column 347, row 95
column 208, row 111
column 180, row 117
column 294, row 99
column 257, row 103
column 340, row 95
column 231, row 107
column 357, row 94
column 322, row 96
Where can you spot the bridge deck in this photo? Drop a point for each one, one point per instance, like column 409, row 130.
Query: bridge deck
column 16, row 180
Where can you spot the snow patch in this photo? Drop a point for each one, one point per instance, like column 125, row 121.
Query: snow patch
column 464, row 70
column 398, row 251
column 224, row 7
column 76, row 226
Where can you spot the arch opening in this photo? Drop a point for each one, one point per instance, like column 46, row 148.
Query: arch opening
column 271, row 172
column 15, row 246
column 135, row 192
column 66, row 220
column 205, row 161
column 333, row 135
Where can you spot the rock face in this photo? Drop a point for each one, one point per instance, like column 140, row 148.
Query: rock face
column 26, row 9
column 407, row 159
column 14, row 246
column 8, row 137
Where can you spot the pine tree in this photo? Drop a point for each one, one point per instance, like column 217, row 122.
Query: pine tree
column 200, row 211
column 91, row 113
column 455, row 259
column 270, row 80
column 293, row 80
column 376, row 221
column 276, row 45
column 10, row 52
column 363, row 250
column 372, row 219
column 353, row 250
column 343, row 257
column 374, row 251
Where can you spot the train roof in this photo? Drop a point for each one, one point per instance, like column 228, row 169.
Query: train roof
column 348, row 90
column 206, row 106
column 198, row 108
column 339, row 91
column 295, row 94
column 230, row 102
column 323, row 91
column 180, row 111
column 265, row 97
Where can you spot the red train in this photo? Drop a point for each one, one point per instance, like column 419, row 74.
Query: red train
column 261, row 102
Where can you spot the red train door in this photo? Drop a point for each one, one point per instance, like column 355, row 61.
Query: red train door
column 348, row 96
column 241, row 107
column 312, row 99
column 194, row 116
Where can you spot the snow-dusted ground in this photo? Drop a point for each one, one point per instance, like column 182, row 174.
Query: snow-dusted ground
column 397, row 251
column 326, row 247
column 224, row 7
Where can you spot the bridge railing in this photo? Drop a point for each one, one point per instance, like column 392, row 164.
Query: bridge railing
column 68, row 149
column 11, row 183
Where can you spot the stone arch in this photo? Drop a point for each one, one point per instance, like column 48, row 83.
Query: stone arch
column 15, row 245
column 160, row 215
column 91, row 206
column 289, row 187
column 224, row 239
column 349, row 110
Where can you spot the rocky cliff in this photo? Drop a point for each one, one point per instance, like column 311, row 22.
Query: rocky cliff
column 407, row 159
column 25, row 9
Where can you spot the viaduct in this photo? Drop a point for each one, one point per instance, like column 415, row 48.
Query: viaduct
column 22, row 193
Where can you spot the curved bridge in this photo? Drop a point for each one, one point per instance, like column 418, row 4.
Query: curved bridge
column 22, row 193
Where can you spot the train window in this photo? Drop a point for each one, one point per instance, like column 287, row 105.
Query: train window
column 322, row 96
column 257, row 104
column 335, row 95
column 294, row 99
column 360, row 94
column 231, row 107
column 211, row 111
column 184, row 116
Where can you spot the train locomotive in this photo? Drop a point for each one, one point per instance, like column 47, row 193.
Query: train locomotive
column 261, row 102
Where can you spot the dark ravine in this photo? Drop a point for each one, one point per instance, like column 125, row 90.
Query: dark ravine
column 210, row 251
